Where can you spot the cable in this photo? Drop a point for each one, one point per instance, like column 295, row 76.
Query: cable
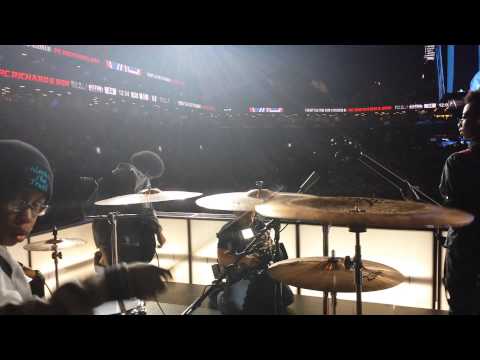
column 50, row 291
column 159, row 306
column 156, row 299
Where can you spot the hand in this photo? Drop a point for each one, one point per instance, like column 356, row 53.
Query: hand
column 145, row 281
column 249, row 261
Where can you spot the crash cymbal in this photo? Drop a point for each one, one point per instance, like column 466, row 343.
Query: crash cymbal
column 47, row 245
column 236, row 201
column 348, row 211
column 333, row 274
column 152, row 196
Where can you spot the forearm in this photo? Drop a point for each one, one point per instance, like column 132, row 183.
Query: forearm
column 77, row 297
column 225, row 258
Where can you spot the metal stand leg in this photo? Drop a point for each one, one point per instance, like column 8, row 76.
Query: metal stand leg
column 358, row 273
column 334, row 303
column 358, row 265
column 112, row 219
column 56, row 255
column 326, row 229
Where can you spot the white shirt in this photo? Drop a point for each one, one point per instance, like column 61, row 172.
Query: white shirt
column 15, row 289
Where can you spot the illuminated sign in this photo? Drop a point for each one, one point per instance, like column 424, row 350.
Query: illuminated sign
column 78, row 85
column 76, row 56
column 265, row 109
column 164, row 78
column 16, row 75
column 429, row 53
column 110, row 90
column 415, row 106
column 124, row 93
column 195, row 106
column 95, row 88
column 41, row 47
column 108, row 63
column 122, row 67
column 326, row 110
column 429, row 106
column 189, row 104
column 370, row 108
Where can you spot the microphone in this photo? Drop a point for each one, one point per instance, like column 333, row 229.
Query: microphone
column 307, row 184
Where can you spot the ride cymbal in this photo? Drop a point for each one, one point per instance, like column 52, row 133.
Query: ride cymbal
column 348, row 211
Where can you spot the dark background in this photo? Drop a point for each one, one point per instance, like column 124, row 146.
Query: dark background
column 223, row 152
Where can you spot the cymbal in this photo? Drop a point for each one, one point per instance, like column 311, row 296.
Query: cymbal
column 348, row 211
column 154, row 195
column 236, row 201
column 331, row 274
column 47, row 245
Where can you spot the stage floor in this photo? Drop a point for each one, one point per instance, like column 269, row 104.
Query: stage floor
column 178, row 296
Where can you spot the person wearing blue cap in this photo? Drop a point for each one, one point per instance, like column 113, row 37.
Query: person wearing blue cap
column 26, row 186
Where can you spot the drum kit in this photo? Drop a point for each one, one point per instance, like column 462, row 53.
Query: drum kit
column 147, row 196
column 333, row 274
column 328, row 274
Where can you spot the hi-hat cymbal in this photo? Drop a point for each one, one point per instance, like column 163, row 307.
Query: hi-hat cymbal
column 147, row 197
column 47, row 245
column 348, row 211
column 236, row 201
column 331, row 274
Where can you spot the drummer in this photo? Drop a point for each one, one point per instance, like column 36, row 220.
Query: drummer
column 26, row 185
column 249, row 290
column 137, row 237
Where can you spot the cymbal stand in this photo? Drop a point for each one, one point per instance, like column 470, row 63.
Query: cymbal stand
column 56, row 255
column 326, row 230
column 357, row 229
column 112, row 219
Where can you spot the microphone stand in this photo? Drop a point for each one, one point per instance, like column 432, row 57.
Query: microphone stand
column 415, row 190
column 218, row 282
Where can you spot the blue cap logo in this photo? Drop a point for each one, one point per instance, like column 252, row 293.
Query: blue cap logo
column 39, row 179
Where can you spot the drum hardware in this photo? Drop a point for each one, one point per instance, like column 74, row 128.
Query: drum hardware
column 220, row 281
column 54, row 245
column 246, row 202
column 358, row 214
column 369, row 162
column 146, row 196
